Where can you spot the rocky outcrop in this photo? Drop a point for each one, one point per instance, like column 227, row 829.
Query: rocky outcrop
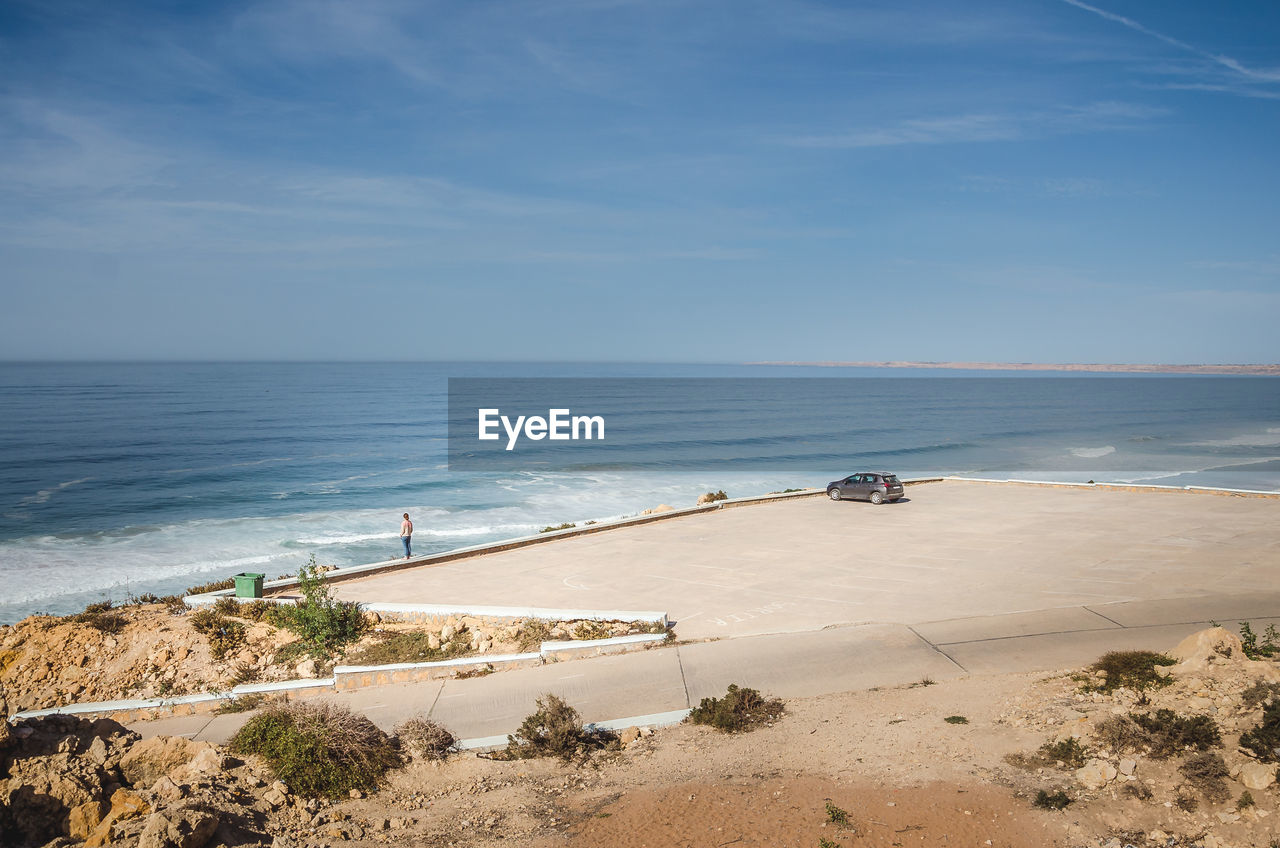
column 96, row 783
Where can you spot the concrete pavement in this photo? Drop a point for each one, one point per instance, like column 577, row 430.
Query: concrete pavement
column 809, row 597
column 788, row 665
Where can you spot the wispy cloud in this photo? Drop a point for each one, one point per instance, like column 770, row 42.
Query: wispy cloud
column 1266, row 75
column 985, row 127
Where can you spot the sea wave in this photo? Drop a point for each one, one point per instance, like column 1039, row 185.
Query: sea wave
column 1092, row 453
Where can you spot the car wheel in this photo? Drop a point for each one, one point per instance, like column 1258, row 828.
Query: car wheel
column 834, row 494
column 877, row 498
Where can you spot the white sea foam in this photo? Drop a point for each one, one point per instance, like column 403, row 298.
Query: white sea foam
column 43, row 495
column 1093, row 453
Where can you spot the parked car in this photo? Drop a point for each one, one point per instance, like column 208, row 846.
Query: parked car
column 874, row 486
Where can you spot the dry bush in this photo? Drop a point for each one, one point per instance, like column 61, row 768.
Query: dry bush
column 318, row 749
column 555, row 730
column 1259, row 693
column 739, row 710
column 425, row 740
column 1131, row 669
column 1120, row 734
column 1169, row 733
column 1207, row 772
column 533, row 632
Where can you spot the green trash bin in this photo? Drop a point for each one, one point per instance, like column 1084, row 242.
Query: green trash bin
column 249, row 585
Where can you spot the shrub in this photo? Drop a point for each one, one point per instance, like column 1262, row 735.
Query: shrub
column 1131, row 669
column 555, row 730
column 1246, row 800
column 1051, row 801
column 216, row 586
column 956, row 720
column 225, row 635
column 837, row 816
column 1169, row 733
column 1264, row 739
column 324, row 623
column 551, row 529
column 255, row 610
column 227, row 605
column 1069, row 752
column 712, row 497
column 425, row 739
column 738, row 710
column 1207, row 772
column 1259, row 692
column 1121, row 734
column 405, row 647
column 533, row 632
column 318, row 749
column 592, row 630
column 1255, row 650
column 1136, row 789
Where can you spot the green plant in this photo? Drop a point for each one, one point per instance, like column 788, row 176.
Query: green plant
column 1051, row 801
column 324, row 623
column 1208, row 773
column 551, row 529
column 1264, row 739
column 837, row 816
column 425, row 739
column 1130, row 669
column 712, row 497
column 823, row 842
column 318, row 749
column 1255, row 650
column 1067, row 751
column 227, row 605
column 225, row 635
column 956, row 720
column 924, row 681
column 555, row 729
column 1245, row 801
column 405, row 647
column 99, row 616
column 738, row 710
column 215, row 586
column 1169, row 733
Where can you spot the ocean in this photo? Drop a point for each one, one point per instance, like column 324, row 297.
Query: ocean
column 120, row 478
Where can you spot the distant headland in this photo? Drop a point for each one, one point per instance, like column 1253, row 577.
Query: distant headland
column 1271, row 370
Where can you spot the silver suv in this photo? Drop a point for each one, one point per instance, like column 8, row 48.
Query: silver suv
column 874, row 486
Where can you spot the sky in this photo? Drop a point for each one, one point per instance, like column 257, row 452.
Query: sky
column 606, row 180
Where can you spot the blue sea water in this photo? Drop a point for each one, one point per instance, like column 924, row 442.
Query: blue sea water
column 118, row 478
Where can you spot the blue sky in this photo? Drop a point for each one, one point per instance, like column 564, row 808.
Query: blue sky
column 1042, row 180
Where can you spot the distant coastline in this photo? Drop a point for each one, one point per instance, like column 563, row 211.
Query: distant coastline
column 1085, row 367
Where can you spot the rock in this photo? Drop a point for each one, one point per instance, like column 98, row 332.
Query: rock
column 447, row 632
column 355, row 794
column 433, row 641
column 626, row 737
column 181, row 828
column 97, row 750
column 147, row 761
column 663, row 508
column 1127, row 766
column 85, row 818
column 281, row 787
column 1096, row 773
column 1206, row 647
column 306, row 668
column 166, row 790
column 274, row 798
column 1257, row 776
column 124, row 805
column 208, row 761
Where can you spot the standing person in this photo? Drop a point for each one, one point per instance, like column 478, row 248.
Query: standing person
column 406, row 534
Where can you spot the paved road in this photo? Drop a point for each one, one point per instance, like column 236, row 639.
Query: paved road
column 786, row 664
column 952, row 549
